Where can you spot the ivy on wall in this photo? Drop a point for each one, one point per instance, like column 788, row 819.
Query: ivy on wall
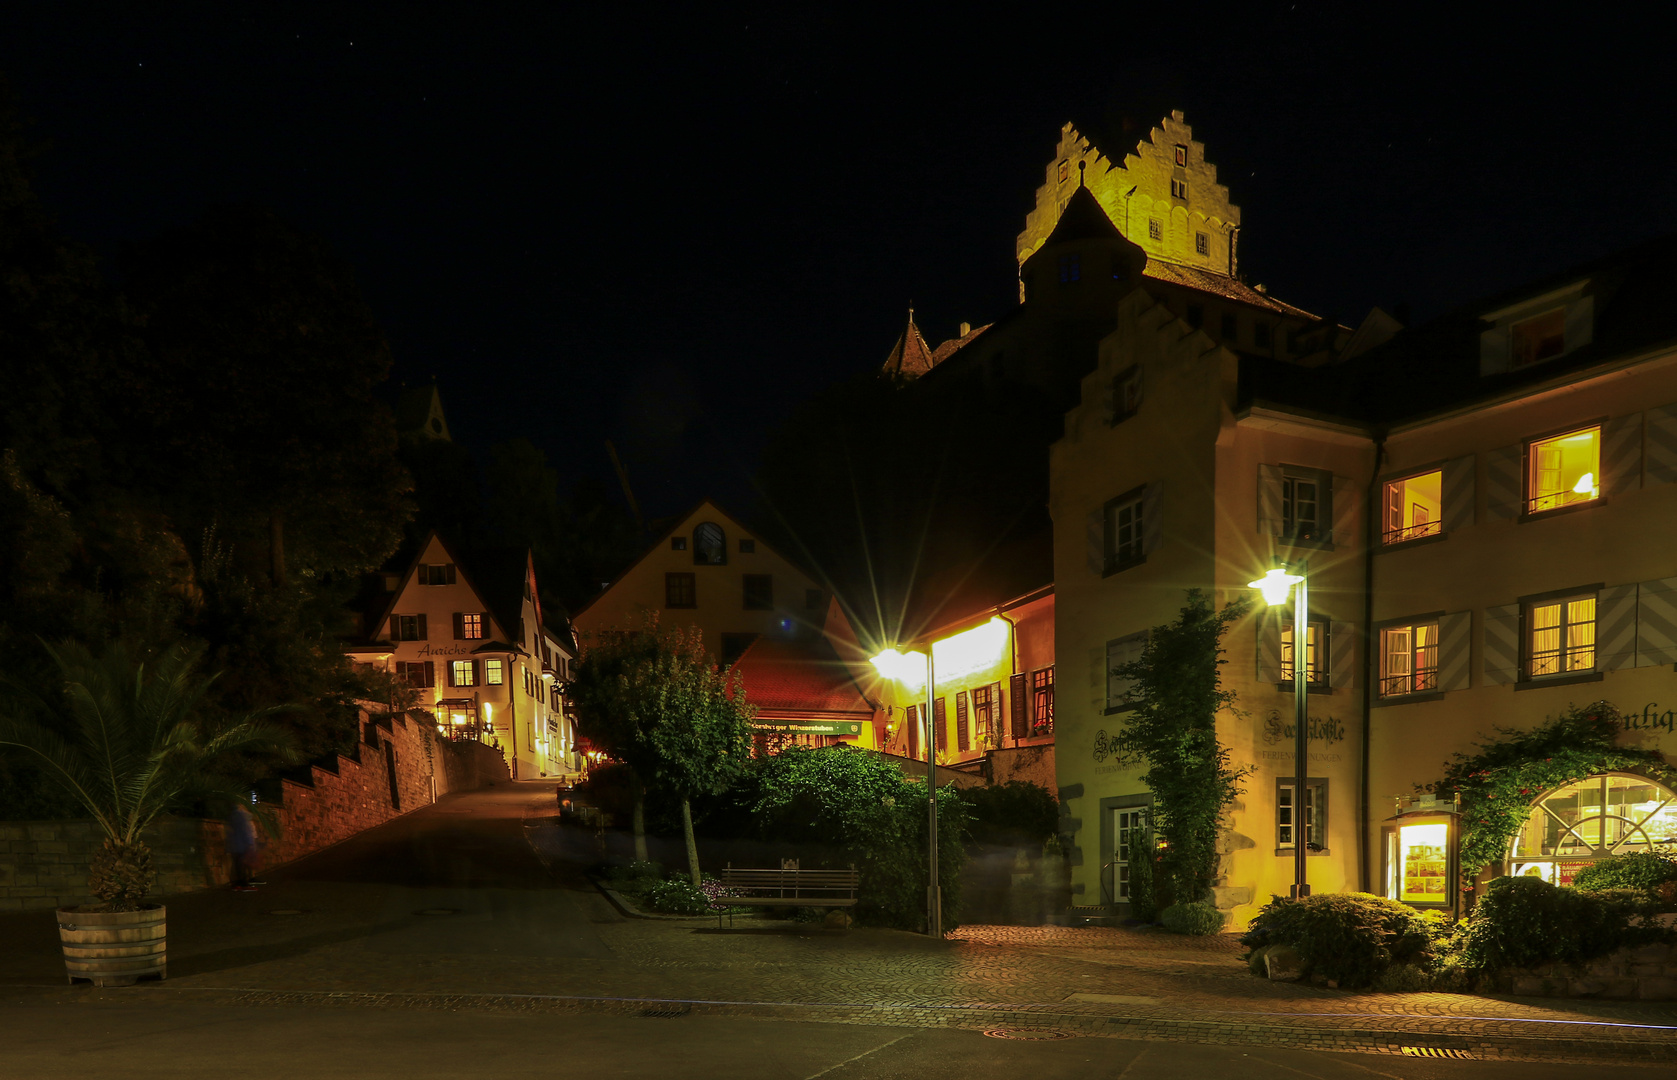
column 1498, row 785
column 1176, row 693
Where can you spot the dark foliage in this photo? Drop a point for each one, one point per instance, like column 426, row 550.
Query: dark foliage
column 1522, row 922
column 1645, row 871
column 1351, row 938
column 1014, row 814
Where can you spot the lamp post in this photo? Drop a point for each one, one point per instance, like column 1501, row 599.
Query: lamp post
column 905, row 669
column 1274, row 586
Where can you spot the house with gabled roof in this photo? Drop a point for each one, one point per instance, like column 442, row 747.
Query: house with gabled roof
column 466, row 633
column 759, row 613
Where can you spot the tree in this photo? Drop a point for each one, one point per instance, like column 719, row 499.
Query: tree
column 130, row 741
column 1176, row 693
column 652, row 699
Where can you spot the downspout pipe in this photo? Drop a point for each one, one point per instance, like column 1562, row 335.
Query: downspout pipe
column 1371, row 656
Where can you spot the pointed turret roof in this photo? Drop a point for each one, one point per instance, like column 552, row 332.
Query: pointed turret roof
column 909, row 357
column 1083, row 219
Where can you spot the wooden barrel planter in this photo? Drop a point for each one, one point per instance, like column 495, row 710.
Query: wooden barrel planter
column 113, row 948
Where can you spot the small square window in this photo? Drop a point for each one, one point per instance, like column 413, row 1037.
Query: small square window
column 1306, row 505
column 678, row 543
column 1042, row 701
column 1315, row 813
column 1126, row 393
column 1413, row 507
column 1124, row 546
column 1231, row 328
column 1181, row 155
column 1541, row 337
column 1315, row 653
column 436, row 574
column 1179, row 190
column 494, row 672
column 1260, row 335
column 748, row 547
column 1560, row 637
column 1065, row 171
column 1563, row 470
column 1202, row 244
column 471, row 626
column 463, row 673
column 1408, row 659
column 1071, row 269
column 759, row 592
column 680, row 590
column 1155, row 230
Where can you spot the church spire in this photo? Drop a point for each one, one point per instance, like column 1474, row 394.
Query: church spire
column 909, row 357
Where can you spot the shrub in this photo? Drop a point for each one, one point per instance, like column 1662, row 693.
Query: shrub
column 1644, row 871
column 1195, row 919
column 677, row 896
column 635, row 878
column 1351, row 938
column 1524, row 922
column 1014, row 814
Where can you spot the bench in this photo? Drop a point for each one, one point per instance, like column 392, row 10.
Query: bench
column 788, row 887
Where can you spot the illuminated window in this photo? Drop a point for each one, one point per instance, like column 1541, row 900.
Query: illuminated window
column 1126, row 393
column 462, row 673
column 1563, row 470
column 759, row 592
column 986, row 715
column 1315, row 654
column 1419, row 865
column 1071, row 268
column 1124, row 537
column 1305, row 509
column 1181, row 154
column 1130, row 832
column 680, row 590
column 1408, row 659
column 494, row 672
column 1578, row 823
column 1179, row 190
column 1315, row 814
column 1155, row 231
column 471, row 626
column 1413, row 507
column 1042, row 701
column 1560, row 637
column 1541, row 337
column 1202, row 244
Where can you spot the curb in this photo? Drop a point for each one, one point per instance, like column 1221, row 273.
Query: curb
column 624, row 905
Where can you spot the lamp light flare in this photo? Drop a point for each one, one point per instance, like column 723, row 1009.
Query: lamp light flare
column 971, row 650
column 1275, row 585
column 1585, row 485
column 906, row 668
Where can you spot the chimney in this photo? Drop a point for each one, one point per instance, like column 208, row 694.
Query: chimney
column 966, row 328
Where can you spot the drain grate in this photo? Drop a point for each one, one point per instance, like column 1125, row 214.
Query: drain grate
column 1435, row 1052
column 665, row 1014
column 1030, row 1034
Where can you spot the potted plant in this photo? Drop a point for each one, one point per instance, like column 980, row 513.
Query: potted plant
column 128, row 741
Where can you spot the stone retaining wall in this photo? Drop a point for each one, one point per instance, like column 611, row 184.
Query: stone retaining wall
column 44, row 864
column 1645, row 973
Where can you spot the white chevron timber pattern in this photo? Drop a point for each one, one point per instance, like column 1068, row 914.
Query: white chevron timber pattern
column 1656, row 623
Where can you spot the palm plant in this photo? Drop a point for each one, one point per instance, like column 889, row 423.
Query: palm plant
column 130, row 741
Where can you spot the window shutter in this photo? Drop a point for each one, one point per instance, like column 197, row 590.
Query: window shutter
column 1269, row 648
column 1019, row 700
column 448, row 668
column 1493, row 351
column 963, row 723
column 1615, row 628
column 911, row 721
column 430, row 673
column 1621, row 455
column 1455, row 650
column 1152, row 519
column 423, row 633
column 395, row 629
column 1656, row 622
column 1502, row 643
column 1342, row 655
column 1344, row 511
column 459, row 626
column 1458, row 493
column 1094, row 536
column 1580, row 322
column 1662, row 445
column 450, row 572
column 422, row 574
column 1269, row 499
column 940, row 725
column 1503, row 489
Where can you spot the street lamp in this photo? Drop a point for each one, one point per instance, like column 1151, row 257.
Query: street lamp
column 1274, row 586
column 911, row 669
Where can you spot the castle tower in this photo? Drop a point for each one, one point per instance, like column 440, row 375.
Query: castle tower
column 1163, row 197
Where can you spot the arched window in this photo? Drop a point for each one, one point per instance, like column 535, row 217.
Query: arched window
column 710, row 545
column 1576, row 824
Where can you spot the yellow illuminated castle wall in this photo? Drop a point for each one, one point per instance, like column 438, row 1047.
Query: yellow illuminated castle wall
column 1177, row 212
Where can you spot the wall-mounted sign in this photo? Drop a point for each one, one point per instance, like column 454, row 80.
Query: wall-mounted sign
column 1322, row 728
column 1119, row 746
column 1649, row 719
column 807, row 727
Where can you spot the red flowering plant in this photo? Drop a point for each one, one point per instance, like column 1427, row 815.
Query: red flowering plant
column 1497, row 785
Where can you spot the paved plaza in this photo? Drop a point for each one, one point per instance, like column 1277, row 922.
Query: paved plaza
column 478, row 907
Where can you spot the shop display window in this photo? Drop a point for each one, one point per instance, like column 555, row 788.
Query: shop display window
column 1576, row 824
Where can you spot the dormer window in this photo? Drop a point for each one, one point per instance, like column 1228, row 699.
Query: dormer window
column 1537, row 329
column 1541, row 337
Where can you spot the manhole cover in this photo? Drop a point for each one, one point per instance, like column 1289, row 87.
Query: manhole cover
column 1434, row 1052
column 438, row 911
column 289, row 911
column 1033, row 1034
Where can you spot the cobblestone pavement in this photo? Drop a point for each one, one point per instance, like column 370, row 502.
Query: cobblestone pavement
column 379, row 925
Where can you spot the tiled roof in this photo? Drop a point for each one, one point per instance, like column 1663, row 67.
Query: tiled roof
column 950, row 347
column 799, row 677
column 909, row 356
column 1209, row 281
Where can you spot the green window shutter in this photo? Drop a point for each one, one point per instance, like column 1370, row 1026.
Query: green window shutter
column 1342, row 655
column 1502, row 644
column 1615, row 628
column 1621, row 455
column 1455, row 650
column 1656, row 622
column 1269, row 499
column 1662, row 445
column 1269, row 647
column 1458, row 493
column 1504, row 489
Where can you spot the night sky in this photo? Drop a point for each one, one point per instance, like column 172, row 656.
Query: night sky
column 610, row 221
